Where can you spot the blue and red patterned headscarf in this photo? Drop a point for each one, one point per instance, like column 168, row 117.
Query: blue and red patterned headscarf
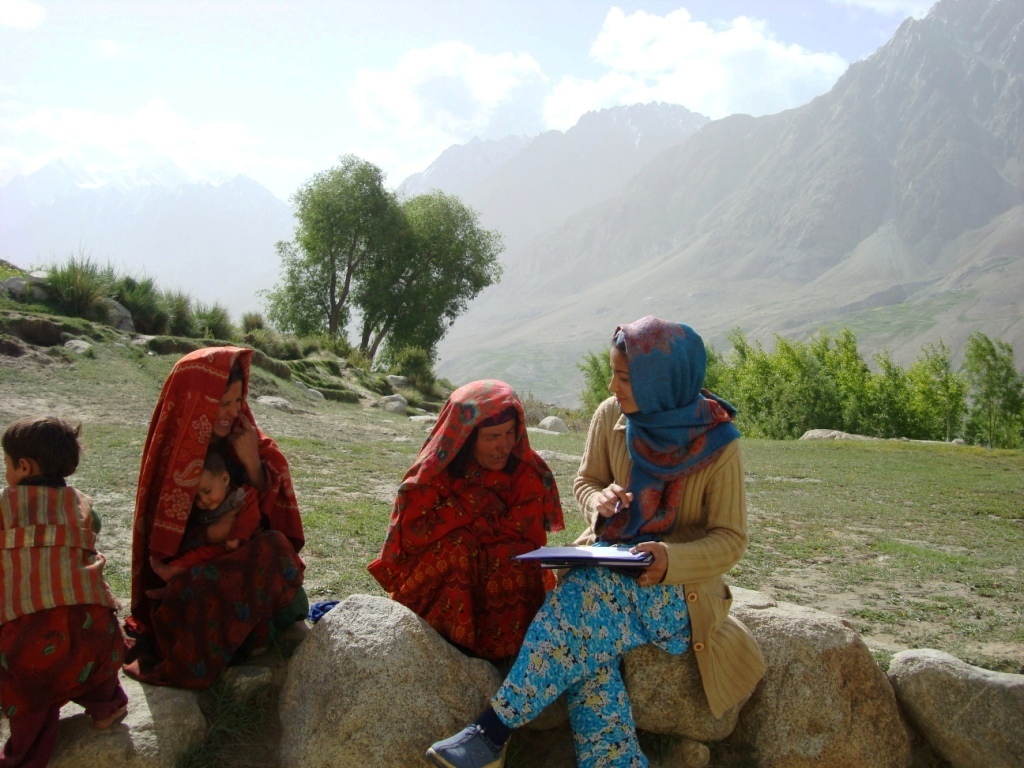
column 679, row 429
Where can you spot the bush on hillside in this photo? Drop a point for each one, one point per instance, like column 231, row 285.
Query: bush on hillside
column 280, row 346
column 309, row 345
column 142, row 298
column 78, row 286
column 213, row 321
column 253, row 321
column 181, row 320
column 597, row 372
column 415, row 364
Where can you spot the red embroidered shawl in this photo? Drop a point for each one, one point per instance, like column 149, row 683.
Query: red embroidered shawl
column 466, row 408
column 172, row 461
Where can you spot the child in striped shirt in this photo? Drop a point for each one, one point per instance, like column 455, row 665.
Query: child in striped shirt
column 60, row 639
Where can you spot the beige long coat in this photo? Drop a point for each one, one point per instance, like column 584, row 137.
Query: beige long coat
column 709, row 538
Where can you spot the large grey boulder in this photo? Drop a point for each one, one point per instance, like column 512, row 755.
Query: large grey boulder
column 398, row 382
column 16, row 286
column 273, row 401
column 667, row 697
column 553, row 424
column 161, row 726
column 823, row 700
column 77, row 346
column 394, row 404
column 373, row 685
column 117, row 315
column 971, row 717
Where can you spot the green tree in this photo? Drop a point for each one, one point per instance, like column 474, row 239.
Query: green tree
column 889, row 398
column 346, row 217
column 938, row 393
column 597, row 374
column 440, row 259
column 849, row 375
column 995, row 389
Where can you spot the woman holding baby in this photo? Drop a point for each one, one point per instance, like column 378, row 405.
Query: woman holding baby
column 212, row 577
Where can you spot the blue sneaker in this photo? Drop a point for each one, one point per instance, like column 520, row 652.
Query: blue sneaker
column 469, row 748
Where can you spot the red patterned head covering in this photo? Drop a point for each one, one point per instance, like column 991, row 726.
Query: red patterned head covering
column 172, row 461
column 467, row 408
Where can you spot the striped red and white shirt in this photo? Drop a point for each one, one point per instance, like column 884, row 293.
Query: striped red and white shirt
column 48, row 554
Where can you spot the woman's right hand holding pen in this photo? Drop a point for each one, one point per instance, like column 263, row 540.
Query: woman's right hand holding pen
column 612, row 499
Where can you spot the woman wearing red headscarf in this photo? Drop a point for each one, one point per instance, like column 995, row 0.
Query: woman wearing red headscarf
column 476, row 497
column 232, row 602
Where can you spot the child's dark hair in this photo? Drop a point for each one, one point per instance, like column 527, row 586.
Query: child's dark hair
column 215, row 462
column 50, row 442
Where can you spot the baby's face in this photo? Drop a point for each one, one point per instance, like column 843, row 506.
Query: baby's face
column 213, row 487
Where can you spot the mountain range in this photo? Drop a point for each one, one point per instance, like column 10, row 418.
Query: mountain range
column 892, row 205
column 214, row 241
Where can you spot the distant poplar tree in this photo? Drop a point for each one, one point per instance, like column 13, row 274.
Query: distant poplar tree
column 938, row 393
column 996, row 389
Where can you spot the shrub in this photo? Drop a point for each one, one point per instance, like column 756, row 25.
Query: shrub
column 358, row 359
column 142, row 298
column 336, row 345
column 78, row 286
column 535, row 409
column 309, row 345
column 253, row 321
column 181, row 319
column 415, row 364
column 274, row 344
column 213, row 321
column 597, row 372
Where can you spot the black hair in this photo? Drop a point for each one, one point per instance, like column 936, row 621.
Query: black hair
column 50, row 442
column 236, row 374
column 619, row 342
column 215, row 463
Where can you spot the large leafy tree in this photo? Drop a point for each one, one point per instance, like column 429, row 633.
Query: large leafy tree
column 346, row 218
column 996, row 390
column 409, row 294
column 849, row 375
column 938, row 393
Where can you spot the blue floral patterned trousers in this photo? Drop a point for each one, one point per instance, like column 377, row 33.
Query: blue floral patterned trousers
column 575, row 644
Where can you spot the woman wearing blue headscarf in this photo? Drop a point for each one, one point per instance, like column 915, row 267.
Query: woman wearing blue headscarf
column 661, row 471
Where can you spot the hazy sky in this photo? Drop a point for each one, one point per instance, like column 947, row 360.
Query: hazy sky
column 278, row 90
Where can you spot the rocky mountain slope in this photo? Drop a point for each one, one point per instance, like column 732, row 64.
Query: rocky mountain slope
column 892, row 205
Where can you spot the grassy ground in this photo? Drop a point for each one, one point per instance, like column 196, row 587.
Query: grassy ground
column 917, row 545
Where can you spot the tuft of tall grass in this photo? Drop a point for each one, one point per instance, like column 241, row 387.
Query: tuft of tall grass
column 309, row 345
column 142, row 298
column 78, row 286
column 253, row 321
column 235, row 726
column 213, row 321
column 276, row 345
column 181, row 318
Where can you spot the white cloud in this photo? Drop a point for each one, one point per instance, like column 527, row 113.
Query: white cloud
column 108, row 49
column 715, row 70
column 21, row 14
column 449, row 93
column 903, row 8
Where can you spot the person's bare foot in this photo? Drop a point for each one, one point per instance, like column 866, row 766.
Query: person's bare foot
column 105, row 723
column 164, row 570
